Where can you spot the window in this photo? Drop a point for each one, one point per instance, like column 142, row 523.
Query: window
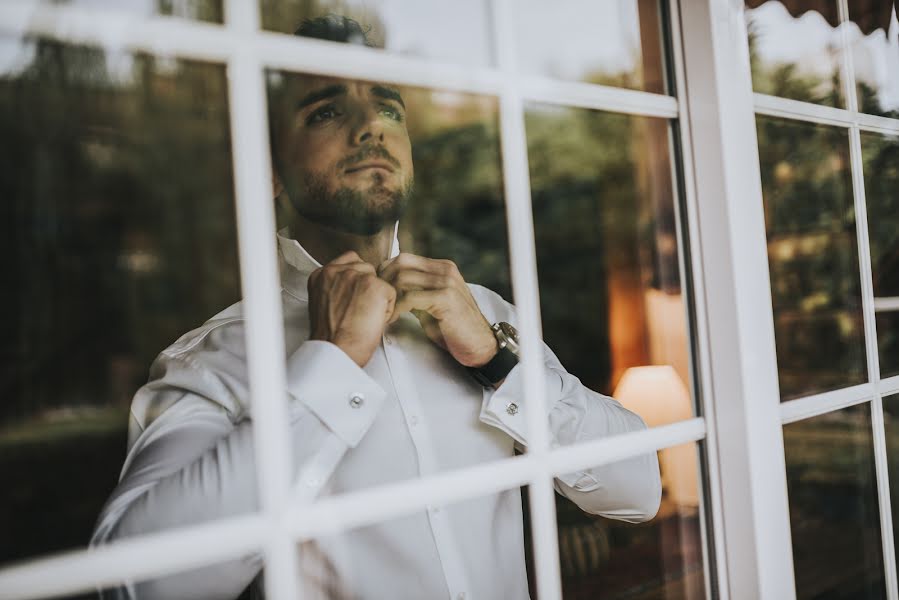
column 588, row 161
column 823, row 75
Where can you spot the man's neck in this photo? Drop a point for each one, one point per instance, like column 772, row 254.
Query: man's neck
column 325, row 244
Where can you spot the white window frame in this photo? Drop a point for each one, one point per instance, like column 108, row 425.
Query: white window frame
column 745, row 517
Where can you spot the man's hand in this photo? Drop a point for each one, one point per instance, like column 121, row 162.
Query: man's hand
column 437, row 295
column 349, row 306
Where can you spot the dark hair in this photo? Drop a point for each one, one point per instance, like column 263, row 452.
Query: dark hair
column 335, row 28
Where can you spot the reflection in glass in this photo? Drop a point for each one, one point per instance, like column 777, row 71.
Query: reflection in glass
column 880, row 155
column 834, row 518
column 455, row 32
column 611, row 43
column 204, row 10
column 812, row 256
column 795, row 49
column 891, row 428
column 119, row 236
column 607, row 251
column 660, row 558
column 873, row 33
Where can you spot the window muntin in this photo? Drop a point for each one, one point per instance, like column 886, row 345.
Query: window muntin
column 833, row 496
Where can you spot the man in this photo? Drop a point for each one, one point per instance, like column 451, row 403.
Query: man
column 396, row 367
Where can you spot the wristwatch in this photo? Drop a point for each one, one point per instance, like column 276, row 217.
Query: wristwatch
column 506, row 358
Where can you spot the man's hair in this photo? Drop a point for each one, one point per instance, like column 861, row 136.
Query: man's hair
column 335, row 28
column 331, row 28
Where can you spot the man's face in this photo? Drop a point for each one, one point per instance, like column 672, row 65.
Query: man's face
column 346, row 158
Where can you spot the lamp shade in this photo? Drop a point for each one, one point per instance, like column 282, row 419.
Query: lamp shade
column 659, row 396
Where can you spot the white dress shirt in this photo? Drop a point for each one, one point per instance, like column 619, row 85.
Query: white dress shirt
column 411, row 412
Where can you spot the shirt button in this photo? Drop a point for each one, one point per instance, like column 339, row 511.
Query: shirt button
column 413, row 420
column 388, row 340
column 356, row 400
column 460, row 596
column 512, row 409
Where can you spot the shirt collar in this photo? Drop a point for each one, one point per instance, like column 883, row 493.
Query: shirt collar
column 295, row 263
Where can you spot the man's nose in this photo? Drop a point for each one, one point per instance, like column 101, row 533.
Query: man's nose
column 367, row 127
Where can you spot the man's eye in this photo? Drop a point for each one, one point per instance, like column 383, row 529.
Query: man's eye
column 392, row 113
column 321, row 115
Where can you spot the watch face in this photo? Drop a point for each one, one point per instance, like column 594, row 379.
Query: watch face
column 511, row 336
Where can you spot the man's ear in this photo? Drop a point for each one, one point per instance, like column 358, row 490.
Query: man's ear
column 277, row 186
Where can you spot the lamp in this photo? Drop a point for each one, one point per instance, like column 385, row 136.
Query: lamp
column 659, row 396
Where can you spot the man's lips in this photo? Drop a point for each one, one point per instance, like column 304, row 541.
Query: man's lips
column 375, row 164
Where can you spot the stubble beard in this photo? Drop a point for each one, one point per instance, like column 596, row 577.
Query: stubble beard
column 359, row 212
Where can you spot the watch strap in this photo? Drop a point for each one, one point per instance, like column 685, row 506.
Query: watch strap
column 496, row 370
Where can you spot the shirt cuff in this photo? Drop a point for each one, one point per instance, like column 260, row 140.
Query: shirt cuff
column 327, row 381
column 504, row 408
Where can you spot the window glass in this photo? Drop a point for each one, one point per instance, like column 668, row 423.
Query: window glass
column 612, row 302
column 881, row 167
column 611, row 43
column 834, row 518
column 455, row 32
column 873, row 34
column 795, row 50
column 223, row 579
column 482, row 547
column 656, row 558
column 812, row 256
column 430, row 419
column 891, row 428
column 204, row 10
column 119, row 237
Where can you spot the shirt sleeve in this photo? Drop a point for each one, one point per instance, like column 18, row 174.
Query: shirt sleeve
column 195, row 461
column 627, row 490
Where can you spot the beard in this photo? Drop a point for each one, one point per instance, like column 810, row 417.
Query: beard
column 359, row 212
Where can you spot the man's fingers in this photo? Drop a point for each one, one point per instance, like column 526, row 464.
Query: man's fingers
column 422, row 300
column 404, row 260
column 413, row 279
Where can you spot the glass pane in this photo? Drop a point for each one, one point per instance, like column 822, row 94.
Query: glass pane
column 235, row 579
column 834, row 517
column 469, row 549
column 874, row 42
column 891, row 428
column 426, row 407
column 455, row 32
column 795, row 50
column 481, row 548
column 881, row 167
column 607, row 256
column 611, row 43
column 119, row 235
column 659, row 558
column 812, row 256
column 204, row 10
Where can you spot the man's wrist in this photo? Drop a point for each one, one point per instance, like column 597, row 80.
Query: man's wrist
column 492, row 373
